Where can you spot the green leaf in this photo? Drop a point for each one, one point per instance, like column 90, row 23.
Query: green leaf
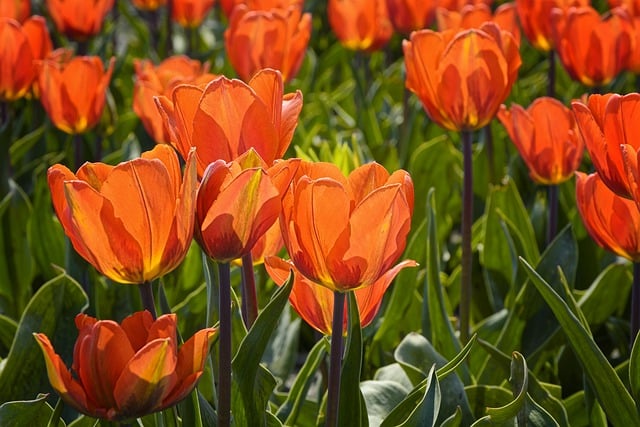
column 351, row 413
column 420, row 408
column 51, row 311
column 634, row 370
column 8, row 328
column 520, row 385
column 291, row 407
column 255, row 383
column 35, row 413
column 608, row 388
column 380, row 398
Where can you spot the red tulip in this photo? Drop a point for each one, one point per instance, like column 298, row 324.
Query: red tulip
column 461, row 77
column 607, row 122
column 19, row 10
column 474, row 15
column 277, row 39
column 79, row 19
column 535, row 19
column 133, row 222
column 128, row 370
column 190, row 13
column 228, row 5
column 612, row 221
column 227, row 117
column 547, row 137
column 160, row 81
column 360, row 24
column 74, row 93
column 314, row 303
column 410, row 15
column 346, row 233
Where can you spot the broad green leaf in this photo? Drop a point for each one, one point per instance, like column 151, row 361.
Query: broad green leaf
column 454, row 420
column 33, row 413
column 634, row 370
column 420, row 407
column 8, row 328
column 609, row 390
column 51, row 311
column 483, row 396
column 380, row 398
column 255, row 383
column 282, row 351
column 520, row 384
column 351, row 410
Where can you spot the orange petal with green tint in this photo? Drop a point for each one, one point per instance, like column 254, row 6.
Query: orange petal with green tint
column 147, row 379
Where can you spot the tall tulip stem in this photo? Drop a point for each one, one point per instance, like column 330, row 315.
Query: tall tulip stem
column 335, row 361
column 249, row 294
column 467, row 220
column 635, row 302
column 552, row 200
column 551, row 75
column 77, row 150
column 224, row 357
column 146, row 295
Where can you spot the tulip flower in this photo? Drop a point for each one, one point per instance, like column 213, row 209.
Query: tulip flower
column 228, row 5
column 607, row 122
column 457, row 5
column 73, row 93
column 593, row 49
column 547, row 137
column 535, row 19
column 613, row 222
column 190, row 13
column 19, row 10
column 461, row 77
column 149, row 4
column 314, row 303
column 362, row 25
column 346, row 233
column 238, row 202
column 161, row 80
column 20, row 46
column 124, row 371
column 79, row 19
column 275, row 39
column 632, row 6
column 133, row 222
column 474, row 15
column 410, row 15
column 227, row 117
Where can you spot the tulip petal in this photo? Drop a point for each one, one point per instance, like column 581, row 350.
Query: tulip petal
column 137, row 328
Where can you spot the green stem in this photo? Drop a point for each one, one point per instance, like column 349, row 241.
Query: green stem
column 635, row 302
column 551, row 74
column 146, row 294
column 77, row 150
column 335, row 361
column 249, row 294
column 552, row 226
column 467, row 220
column 224, row 358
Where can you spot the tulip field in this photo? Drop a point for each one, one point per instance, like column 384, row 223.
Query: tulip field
column 319, row 213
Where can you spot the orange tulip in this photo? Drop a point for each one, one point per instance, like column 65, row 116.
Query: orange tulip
column 612, row 221
column 269, row 244
column 79, row 19
column 360, row 24
column 238, row 202
column 228, row 5
column 227, row 117
column 149, row 4
column 410, row 15
column 593, row 49
column 457, row 5
column 20, row 46
column 633, row 6
column 633, row 64
column 346, row 233
column 19, row 10
column 547, row 137
column 535, row 19
column 74, row 93
column 133, row 222
column 124, row 371
column 190, row 13
column 473, row 16
column 161, row 80
column 275, row 39
column 461, row 77
column 607, row 122
column 314, row 303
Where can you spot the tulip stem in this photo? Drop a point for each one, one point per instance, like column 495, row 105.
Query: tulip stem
column 335, row 361
column 635, row 302
column 551, row 75
column 77, row 150
column 467, row 219
column 249, row 294
column 552, row 200
column 224, row 357
column 146, row 295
